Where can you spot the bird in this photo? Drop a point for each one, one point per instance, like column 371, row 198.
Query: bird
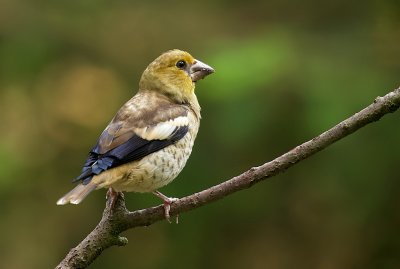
column 149, row 140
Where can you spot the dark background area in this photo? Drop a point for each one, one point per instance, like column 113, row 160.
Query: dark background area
column 285, row 72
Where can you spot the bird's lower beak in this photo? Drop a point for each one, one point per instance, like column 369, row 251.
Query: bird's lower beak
column 200, row 70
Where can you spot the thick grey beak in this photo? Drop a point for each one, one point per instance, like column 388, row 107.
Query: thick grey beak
column 200, row 70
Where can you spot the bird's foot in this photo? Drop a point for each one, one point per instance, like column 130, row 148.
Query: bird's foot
column 167, row 205
column 112, row 196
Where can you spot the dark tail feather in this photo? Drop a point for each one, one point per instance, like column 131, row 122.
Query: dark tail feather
column 76, row 195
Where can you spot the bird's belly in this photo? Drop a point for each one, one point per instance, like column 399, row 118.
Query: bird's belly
column 153, row 171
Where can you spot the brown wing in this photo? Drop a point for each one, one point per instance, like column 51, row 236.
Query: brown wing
column 139, row 116
column 145, row 124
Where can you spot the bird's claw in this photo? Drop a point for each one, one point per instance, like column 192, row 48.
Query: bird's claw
column 167, row 208
column 112, row 196
column 167, row 205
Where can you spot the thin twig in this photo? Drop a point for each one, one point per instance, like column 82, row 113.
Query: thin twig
column 106, row 233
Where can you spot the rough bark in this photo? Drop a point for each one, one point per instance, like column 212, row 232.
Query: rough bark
column 113, row 222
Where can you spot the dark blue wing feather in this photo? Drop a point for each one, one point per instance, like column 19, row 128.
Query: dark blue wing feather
column 133, row 149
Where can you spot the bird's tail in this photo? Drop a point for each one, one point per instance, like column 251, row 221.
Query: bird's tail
column 76, row 195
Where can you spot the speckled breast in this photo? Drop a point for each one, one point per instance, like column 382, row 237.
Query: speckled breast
column 157, row 169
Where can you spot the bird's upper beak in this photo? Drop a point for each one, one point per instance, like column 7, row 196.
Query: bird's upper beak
column 200, row 70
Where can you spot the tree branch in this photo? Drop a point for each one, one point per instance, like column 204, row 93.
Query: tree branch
column 119, row 219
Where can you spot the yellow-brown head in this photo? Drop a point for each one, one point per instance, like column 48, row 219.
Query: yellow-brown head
column 174, row 74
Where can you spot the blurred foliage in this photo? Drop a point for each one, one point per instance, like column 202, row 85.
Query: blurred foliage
column 285, row 72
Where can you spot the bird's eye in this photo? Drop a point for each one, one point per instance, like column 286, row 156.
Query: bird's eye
column 181, row 64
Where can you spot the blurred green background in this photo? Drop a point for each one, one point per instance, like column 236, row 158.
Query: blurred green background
column 285, row 72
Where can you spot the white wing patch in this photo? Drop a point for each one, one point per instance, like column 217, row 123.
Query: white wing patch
column 162, row 130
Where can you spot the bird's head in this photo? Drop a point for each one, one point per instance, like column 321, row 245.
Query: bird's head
column 174, row 74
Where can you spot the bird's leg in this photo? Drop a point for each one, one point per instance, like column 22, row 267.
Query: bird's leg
column 112, row 195
column 167, row 205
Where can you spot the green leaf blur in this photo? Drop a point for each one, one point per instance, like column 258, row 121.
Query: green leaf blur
column 285, row 72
